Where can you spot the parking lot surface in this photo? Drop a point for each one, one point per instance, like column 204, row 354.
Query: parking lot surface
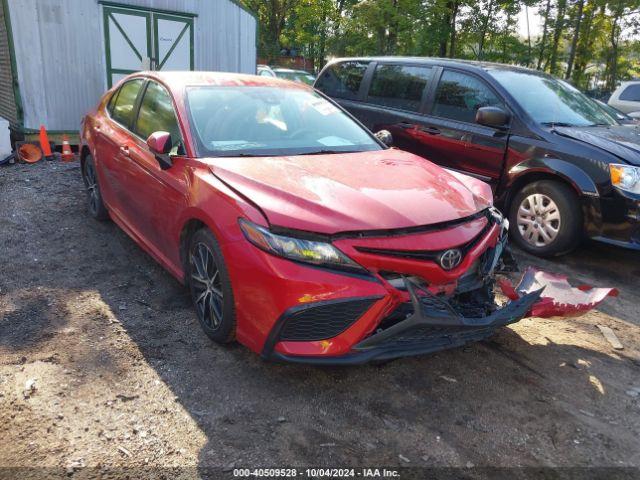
column 103, row 365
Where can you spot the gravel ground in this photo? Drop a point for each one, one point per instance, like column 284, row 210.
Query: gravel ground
column 103, row 366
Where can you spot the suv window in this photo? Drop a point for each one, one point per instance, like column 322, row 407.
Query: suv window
column 399, row 86
column 157, row 114
column 342, row 80
column 459, row 96
column 122, row 111
column 631, row 93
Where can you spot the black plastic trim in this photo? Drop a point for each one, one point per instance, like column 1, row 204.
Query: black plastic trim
column 432, row 255
column 274, row 334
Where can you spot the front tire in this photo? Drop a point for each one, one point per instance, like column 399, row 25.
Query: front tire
column 210, row 287
column 95, row 205
column 546, row 218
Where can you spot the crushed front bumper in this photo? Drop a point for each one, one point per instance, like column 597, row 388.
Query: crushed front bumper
column 407, row 306
column 433, row 325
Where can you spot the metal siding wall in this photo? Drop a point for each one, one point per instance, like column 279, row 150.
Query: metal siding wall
column 225, row 34
column 8, row 108
column 60, row 51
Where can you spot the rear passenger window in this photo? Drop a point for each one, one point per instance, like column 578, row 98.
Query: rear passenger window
column 342, row 80
column 631, row 93
column 112, row 101
column 122, row 111
column 459, row 96
column 399, row 86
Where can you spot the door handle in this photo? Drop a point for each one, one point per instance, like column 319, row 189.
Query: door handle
column 405, row 125
column 430, row 130
column 124, row 149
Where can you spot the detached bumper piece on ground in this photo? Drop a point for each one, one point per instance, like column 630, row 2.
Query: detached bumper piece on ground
column 559, row 299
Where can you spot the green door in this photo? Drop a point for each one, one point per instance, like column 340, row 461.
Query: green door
column 145, row 40
column 173, row 42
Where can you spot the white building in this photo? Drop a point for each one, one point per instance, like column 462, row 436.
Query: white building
column 57, row 57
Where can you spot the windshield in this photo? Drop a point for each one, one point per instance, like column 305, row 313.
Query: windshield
column 260, row 121
column 550, row 101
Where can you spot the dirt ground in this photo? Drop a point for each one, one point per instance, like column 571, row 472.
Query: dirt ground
column 103, row 366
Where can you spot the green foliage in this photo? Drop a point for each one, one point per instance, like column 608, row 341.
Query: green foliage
column 593, row 43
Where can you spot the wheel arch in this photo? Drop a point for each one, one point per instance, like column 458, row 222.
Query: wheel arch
column 190, row 226
column 558, row 170
column 196, row 218
column 84, row 153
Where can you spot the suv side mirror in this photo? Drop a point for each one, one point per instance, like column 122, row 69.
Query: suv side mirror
column 160, row 145
column 493, row 117
column 385, row 137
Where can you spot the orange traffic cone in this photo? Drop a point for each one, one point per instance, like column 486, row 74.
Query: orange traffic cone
column 67, row 153
column 45, row 146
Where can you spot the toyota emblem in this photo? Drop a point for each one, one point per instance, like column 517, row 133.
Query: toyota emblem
column 451, row 259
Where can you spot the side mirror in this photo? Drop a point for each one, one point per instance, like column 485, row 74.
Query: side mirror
column 385, row 137
column 160, row 145
column 493, row 117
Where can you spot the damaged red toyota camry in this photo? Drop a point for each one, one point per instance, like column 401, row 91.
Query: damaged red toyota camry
column 297, row 231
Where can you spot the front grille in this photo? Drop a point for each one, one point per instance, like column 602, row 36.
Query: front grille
column 326, row 320
column 431, row 255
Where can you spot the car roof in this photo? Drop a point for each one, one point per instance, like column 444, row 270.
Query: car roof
column 469, row 64
column 176, row 81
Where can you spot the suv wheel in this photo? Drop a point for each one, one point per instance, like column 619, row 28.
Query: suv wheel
column 546, row 219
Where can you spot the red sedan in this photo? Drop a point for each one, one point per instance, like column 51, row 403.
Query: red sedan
column 298, row 232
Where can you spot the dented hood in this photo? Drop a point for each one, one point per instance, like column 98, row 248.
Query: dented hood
column 347, row 192
column 621, row 141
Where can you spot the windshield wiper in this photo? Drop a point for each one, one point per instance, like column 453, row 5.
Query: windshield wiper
column 242, row 154
column 329, row 152
column 557, row 124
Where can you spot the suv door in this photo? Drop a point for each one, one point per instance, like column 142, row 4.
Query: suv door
column 452, row 138
column 396, row 96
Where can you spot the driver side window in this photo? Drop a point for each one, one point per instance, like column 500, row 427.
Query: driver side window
column 157, row 114
column 459, row 96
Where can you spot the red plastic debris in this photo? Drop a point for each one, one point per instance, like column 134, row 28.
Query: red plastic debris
column 559, row 298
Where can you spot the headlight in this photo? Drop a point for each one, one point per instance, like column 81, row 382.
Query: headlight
column 500, row 220
column 625, row 177
column 307, row 251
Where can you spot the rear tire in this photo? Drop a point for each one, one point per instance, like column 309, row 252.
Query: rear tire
column 95, row 204
column 546, row 218
column 210, row 287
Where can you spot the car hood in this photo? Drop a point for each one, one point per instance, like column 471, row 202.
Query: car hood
column 349, row 192
column 620, row 140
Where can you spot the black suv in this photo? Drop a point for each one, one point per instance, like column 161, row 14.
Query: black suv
column 560, row 165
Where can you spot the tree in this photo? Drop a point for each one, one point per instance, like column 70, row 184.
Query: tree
column 576, row 34
column 543, row 41
column 592, row 43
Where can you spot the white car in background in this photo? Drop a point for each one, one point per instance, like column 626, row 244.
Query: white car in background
column 265, row 71
column 626, row 98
